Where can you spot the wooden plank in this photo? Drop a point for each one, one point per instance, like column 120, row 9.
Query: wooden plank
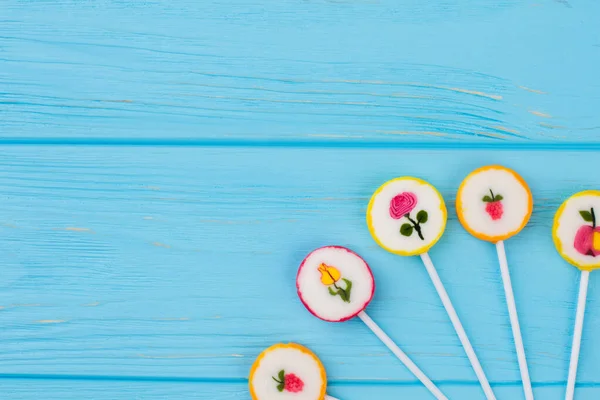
column 26, row 389
column 180, row 262
column 466, row 71
column 30, row 389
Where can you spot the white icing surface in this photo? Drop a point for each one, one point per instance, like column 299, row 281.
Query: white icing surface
column 570, row 221
column 315, row 295
column 515, row 203
column 293, row 361
column 386, row 230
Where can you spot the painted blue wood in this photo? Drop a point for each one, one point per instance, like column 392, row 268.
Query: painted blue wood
column 165, row 166
column 106, row 390
column 29, row 389
column 485, row 71
column 171, row 264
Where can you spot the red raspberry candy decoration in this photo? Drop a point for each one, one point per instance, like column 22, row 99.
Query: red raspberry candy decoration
column 293, row 384
column 494, row 207
column 288, row 382
column 495, row 210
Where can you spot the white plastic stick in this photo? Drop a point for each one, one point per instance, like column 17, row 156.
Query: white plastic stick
column 583, row 288
column 514, row 320
column 328, row 397
column 402, row 356
column 462, row 335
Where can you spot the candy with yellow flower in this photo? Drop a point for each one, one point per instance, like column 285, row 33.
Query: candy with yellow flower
column 330, row 276
column 334, row 283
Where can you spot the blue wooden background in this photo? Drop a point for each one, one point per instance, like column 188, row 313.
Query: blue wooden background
column 166, row 165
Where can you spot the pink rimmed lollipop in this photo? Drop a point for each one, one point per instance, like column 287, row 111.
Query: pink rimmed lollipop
column 407, row 216
column 336, row 284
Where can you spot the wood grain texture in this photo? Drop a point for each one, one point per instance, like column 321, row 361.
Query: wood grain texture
column 30, row 389
column 486, row 71
column 180, row 262
column 165, row 166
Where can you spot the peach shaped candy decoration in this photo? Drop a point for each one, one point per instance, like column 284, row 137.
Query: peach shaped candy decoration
column 587, row 239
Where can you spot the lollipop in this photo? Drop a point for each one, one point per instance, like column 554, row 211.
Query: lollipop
column 285, row 371
column 407, row 216
column 493, row 204
column 576, row 235
column 336, row 284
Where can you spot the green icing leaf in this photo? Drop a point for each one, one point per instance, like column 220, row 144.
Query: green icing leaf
column 406, row 229
column 348, row 289
column 587, row 216
column 422, row 216
column 343, row 293
column 487, row 199
column 280, row 381
column 498, row 198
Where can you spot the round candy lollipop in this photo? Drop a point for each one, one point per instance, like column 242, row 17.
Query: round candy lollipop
column 576, row 235
column 285, row 371
column 407, row 216
column 336, row 284
column 494, row 203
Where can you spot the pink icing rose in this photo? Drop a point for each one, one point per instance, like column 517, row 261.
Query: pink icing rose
column 402, row 204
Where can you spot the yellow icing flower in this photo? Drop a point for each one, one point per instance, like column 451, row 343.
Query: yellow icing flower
column 329, row 274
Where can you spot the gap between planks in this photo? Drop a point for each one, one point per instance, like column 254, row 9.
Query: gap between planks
column 335, row 382
column 491, row 144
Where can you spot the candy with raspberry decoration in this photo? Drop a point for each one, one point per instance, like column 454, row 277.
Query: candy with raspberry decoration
column 494, row 206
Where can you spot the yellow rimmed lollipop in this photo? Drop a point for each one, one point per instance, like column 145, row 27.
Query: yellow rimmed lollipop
column 576, row 230
column 285, row 371
column 407, row 216
column 576, row 233
column 494, row 203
